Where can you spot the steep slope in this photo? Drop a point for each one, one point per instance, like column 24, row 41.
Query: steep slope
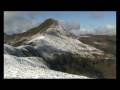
column 6, row 37
column 58, row 49
column 30, row 67
column 18, row 39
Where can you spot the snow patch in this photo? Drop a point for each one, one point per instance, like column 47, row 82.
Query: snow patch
column 37, row 38
column 98, row 43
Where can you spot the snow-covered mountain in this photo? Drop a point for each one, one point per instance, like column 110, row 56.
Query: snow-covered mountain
column 48, row 46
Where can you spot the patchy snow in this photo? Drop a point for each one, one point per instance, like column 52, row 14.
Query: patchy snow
column 37, row 38
column 84, row 36
column 98, row 43
column 25, row 61
column 21, row 67
column 59, row 26
column 56, row 36
column 67, row 44
column 30, row 67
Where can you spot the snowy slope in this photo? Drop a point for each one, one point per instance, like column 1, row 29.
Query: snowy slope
column 31, row 67
column 30, row 60
column 58, row 39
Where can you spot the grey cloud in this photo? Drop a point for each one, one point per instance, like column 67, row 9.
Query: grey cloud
column 82, row 30
column 70, row 26
column 106, row 30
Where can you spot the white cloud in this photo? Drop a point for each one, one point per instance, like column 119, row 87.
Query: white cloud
column 17, row 22
column 82, row 30
column 108, row 29
column 109, row 26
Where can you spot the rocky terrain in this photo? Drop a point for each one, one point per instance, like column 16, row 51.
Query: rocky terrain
column 108, row 42
column 49, row 51
column 32, row 67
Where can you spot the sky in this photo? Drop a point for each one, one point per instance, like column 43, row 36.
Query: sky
column 85, row 22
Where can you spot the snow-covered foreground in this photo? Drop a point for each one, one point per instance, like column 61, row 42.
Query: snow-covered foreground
column 23, row 68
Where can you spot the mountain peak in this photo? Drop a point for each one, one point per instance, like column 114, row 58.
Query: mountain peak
column 49, row 22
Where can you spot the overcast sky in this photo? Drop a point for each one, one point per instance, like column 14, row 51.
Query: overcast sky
column 102, row 22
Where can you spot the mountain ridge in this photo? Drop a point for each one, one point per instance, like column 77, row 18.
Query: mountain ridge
column 58, row 49
column 21, row 37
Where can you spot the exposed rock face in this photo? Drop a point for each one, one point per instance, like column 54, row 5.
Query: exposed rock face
column 54, row 48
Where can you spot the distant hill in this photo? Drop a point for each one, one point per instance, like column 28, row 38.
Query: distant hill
column 106, row 43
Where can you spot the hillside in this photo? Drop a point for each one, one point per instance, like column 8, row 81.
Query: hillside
column 18, row 39
column 107, row 43
column 49, row 45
